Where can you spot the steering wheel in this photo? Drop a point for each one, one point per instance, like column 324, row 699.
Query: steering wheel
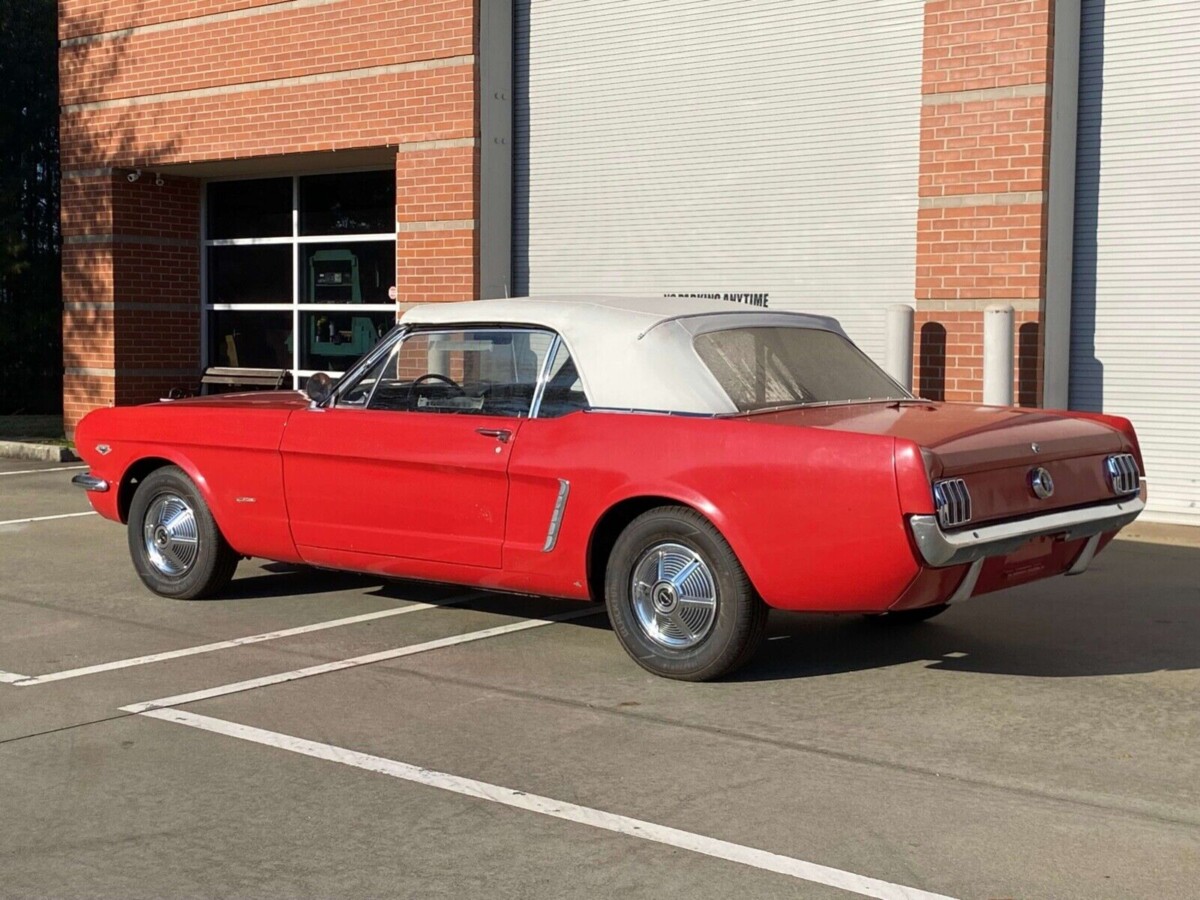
column 433, row 376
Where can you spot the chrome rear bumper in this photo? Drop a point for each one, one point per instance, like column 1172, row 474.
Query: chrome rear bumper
column 940, row 548
column 90, row 482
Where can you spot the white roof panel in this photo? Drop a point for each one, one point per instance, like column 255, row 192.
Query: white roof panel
column 631, row 352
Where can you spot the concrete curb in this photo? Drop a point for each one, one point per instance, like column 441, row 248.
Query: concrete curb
column 36, row 452
column 1159, row 533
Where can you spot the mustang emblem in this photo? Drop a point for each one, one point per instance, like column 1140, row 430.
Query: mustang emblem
column 1041, row 483
column 1035, row 447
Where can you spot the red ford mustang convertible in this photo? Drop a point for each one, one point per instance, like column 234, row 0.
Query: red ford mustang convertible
column 693, row 463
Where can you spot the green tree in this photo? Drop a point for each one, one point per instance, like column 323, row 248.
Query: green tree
column 30, row 252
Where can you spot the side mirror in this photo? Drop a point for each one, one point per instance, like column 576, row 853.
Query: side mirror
column 318, row 388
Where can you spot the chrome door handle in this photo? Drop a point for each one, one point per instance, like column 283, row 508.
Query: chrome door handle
column 500, row 434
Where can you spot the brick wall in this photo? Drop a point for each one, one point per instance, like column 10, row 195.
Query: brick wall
column 982, row 189
column 153, row 83
column 131, row 289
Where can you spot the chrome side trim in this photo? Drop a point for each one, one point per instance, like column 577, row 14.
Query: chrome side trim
column 1085, row 556
column 90, row 482
column 939, row 548
column 556, row 517
column 966, row 587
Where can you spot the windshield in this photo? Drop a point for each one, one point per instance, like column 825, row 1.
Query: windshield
column 763, row 368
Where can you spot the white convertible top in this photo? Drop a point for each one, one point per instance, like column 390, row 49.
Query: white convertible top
column 631, row 352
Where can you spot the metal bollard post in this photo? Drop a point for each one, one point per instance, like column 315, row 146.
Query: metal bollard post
column 998, row 355
column 898, row 352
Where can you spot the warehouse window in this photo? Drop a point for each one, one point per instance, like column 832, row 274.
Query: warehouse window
column 297, row 270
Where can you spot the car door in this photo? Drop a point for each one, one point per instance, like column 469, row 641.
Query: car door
column 410, row 460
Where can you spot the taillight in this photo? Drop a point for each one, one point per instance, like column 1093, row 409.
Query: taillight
column 952, row 501
column 1122, row 473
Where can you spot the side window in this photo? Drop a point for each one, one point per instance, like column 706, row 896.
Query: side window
column 492, row 371
column 360, row 392
column 564, row 389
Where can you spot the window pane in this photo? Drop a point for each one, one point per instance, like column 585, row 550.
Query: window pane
column 347, row 273
column 355, row 203
column 245, row 209
column 564, row 390
column 256, row 340
column 492, row 372
column 360, row 392
column 258, row 274
column 763, row 367
column 334, row 341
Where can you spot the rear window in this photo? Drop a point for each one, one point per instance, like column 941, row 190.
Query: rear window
column 761, row 368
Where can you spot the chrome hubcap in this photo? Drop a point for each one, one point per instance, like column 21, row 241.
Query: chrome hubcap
column 674, row 596
column 171, row 538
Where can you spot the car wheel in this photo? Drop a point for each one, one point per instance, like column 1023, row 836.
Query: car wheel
column 177, row 549
column 909, row 616
column 678, row 599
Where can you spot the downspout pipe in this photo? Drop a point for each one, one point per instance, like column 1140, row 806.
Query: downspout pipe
column 1063, row 118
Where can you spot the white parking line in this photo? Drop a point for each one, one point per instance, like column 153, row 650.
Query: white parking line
column 558, row 809
column 356, row 661
column 29, row 681
column 90, row 512
column 40, row 471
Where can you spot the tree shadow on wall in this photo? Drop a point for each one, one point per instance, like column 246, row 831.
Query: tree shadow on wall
column 108, row 182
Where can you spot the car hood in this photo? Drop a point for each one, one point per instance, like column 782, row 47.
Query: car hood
column 965, row 437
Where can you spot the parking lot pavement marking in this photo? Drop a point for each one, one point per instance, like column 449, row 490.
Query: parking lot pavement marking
column 354, row 662
column 11, row 677
column 40, row 471
column 29, row 681
column 558, row 809
column 90, row 512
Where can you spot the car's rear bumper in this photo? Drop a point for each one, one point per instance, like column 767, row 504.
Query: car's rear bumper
column 940, row 548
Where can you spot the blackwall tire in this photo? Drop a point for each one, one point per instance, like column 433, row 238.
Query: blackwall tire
column 679, row 601
column 176, row 547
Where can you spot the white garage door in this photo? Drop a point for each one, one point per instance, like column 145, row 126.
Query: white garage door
column 1135, row 343
column 766, row 149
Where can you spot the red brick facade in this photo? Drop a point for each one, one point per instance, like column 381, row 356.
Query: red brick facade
column 151, row 84
column 984, row 162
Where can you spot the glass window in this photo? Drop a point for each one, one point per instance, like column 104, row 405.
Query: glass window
column 248, row 339
column 355, row 203
column 250, row 209
column 359, row 272
column 321, row 248
column 335, row 340
column 564, row 389
column 779, row 366
column 255, row 273
column 483, row 372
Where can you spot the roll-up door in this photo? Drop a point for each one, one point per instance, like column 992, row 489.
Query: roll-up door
column 762, row 149
column 1135, row 314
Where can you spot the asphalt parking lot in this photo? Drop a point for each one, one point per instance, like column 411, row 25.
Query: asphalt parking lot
column 328, row 735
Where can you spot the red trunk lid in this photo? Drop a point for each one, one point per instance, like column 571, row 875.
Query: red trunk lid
column 965, row 438
column 993, row 448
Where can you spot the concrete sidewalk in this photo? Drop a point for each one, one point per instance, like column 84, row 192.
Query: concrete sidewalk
column 38, row 438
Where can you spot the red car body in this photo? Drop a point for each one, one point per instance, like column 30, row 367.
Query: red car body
column 689, row 466
column 814, row 502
